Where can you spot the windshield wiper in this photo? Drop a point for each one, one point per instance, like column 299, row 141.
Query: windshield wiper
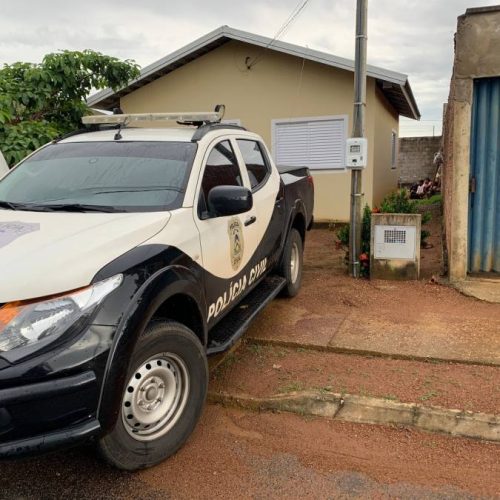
column 71, row 207
column 9, row 205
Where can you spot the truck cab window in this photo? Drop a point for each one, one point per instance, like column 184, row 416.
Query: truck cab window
column 221, row 170
column 255, row 161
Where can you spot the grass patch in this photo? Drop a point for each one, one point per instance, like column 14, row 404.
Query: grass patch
column 256, row 349
column 327, row 389
column 390, row 397
column 291, row 387
column 435, row 198
column 428, row 395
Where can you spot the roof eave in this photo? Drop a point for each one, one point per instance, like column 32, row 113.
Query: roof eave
column 223, row 34
column 410, row 99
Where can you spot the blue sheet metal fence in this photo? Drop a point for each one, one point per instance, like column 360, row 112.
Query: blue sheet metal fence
column 484, row 213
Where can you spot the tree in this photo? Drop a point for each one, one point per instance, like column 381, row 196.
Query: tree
column 39, row 102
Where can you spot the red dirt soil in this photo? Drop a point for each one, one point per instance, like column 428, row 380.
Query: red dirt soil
column 409, row 318
column 236, row 454
column 262, row 371
column 412, row 318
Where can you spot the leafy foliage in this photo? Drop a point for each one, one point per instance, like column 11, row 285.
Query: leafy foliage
column 343, row 235
column 399, row 202
column 343, row 240
column 38, row 102
column 366, row 230
column 435, row 198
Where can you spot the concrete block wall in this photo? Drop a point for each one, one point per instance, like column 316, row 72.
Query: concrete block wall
column 447, row 171
column 477, row 55
column 416, row 155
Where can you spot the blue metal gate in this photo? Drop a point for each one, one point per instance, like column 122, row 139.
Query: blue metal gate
column 484, row 200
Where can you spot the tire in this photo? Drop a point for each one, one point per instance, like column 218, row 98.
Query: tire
column 291, row 264
column 163, row 399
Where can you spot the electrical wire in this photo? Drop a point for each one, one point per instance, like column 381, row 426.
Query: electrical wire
column 283, row 29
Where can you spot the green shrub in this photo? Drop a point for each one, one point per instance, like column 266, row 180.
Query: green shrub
column 343, row 235
column 435, row 198
column 398, row 202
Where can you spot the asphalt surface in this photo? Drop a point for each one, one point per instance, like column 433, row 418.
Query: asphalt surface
column 236, row 454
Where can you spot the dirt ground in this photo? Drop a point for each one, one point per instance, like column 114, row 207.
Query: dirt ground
column 285, row 456
column 421, row 319
column 259, row 370
column 237, row 454
column 411, row 318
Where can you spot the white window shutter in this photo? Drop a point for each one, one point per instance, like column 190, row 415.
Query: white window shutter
column 316, row 143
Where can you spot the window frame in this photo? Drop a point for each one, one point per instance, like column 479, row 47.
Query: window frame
column 265, row 157
column 205, row 215
column 394, row 149
column 343, row 118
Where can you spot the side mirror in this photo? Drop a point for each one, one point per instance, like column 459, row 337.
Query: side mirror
column 229, row 200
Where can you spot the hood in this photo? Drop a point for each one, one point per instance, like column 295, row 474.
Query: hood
column 46, row 253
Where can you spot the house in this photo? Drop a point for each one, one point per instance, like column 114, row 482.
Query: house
column 299, row 100
column 471, row 170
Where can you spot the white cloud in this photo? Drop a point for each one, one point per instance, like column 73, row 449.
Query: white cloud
column 413, row 37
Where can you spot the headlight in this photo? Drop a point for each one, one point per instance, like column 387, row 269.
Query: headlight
column 25, row 323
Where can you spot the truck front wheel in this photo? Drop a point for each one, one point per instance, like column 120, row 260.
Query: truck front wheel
column 291, row 263
column 163, row 398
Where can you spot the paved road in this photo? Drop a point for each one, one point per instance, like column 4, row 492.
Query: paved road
column 235, row 454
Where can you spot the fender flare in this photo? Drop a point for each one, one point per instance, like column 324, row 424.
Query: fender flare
column 298, row 208
column 164, row 284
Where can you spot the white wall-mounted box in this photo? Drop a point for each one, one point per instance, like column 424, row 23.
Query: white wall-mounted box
column 395, row 246
column 356, row 152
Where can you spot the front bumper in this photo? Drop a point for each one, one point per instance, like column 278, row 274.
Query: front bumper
column 52, row 400
column 42, row 416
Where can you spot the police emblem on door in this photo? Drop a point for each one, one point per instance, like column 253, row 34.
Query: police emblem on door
column 236, row 244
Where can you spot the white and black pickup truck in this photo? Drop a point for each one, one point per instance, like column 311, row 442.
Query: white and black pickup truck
column 127, row 255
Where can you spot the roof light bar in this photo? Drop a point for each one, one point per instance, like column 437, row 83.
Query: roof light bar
column 211, row 117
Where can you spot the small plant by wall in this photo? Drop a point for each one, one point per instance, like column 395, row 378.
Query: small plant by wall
column 343, row 241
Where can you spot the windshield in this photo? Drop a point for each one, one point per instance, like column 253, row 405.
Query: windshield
column 114, row 176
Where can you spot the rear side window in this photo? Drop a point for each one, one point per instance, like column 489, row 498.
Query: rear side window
column 221, row 170
column 255, row 161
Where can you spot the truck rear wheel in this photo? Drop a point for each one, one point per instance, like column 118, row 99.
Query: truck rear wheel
column 163, row 398
column 291, row 264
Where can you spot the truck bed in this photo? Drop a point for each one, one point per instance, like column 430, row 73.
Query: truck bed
column 284, row 169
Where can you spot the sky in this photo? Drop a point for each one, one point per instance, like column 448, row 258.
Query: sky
column 414, row 37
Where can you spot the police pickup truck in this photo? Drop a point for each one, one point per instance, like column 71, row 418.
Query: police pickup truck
column 127, row 256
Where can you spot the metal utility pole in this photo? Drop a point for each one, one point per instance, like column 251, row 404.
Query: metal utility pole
column 358, row 130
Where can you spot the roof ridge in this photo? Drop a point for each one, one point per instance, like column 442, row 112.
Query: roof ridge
column 229, row 33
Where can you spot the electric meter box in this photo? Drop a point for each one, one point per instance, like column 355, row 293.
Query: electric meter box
column 395, row 246
column 357, row 152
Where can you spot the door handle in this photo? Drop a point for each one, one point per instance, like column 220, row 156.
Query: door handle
column 250, row 220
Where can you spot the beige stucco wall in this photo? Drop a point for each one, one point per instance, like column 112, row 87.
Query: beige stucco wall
column 277, row 86
column 385, row 178
column 477, row 55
